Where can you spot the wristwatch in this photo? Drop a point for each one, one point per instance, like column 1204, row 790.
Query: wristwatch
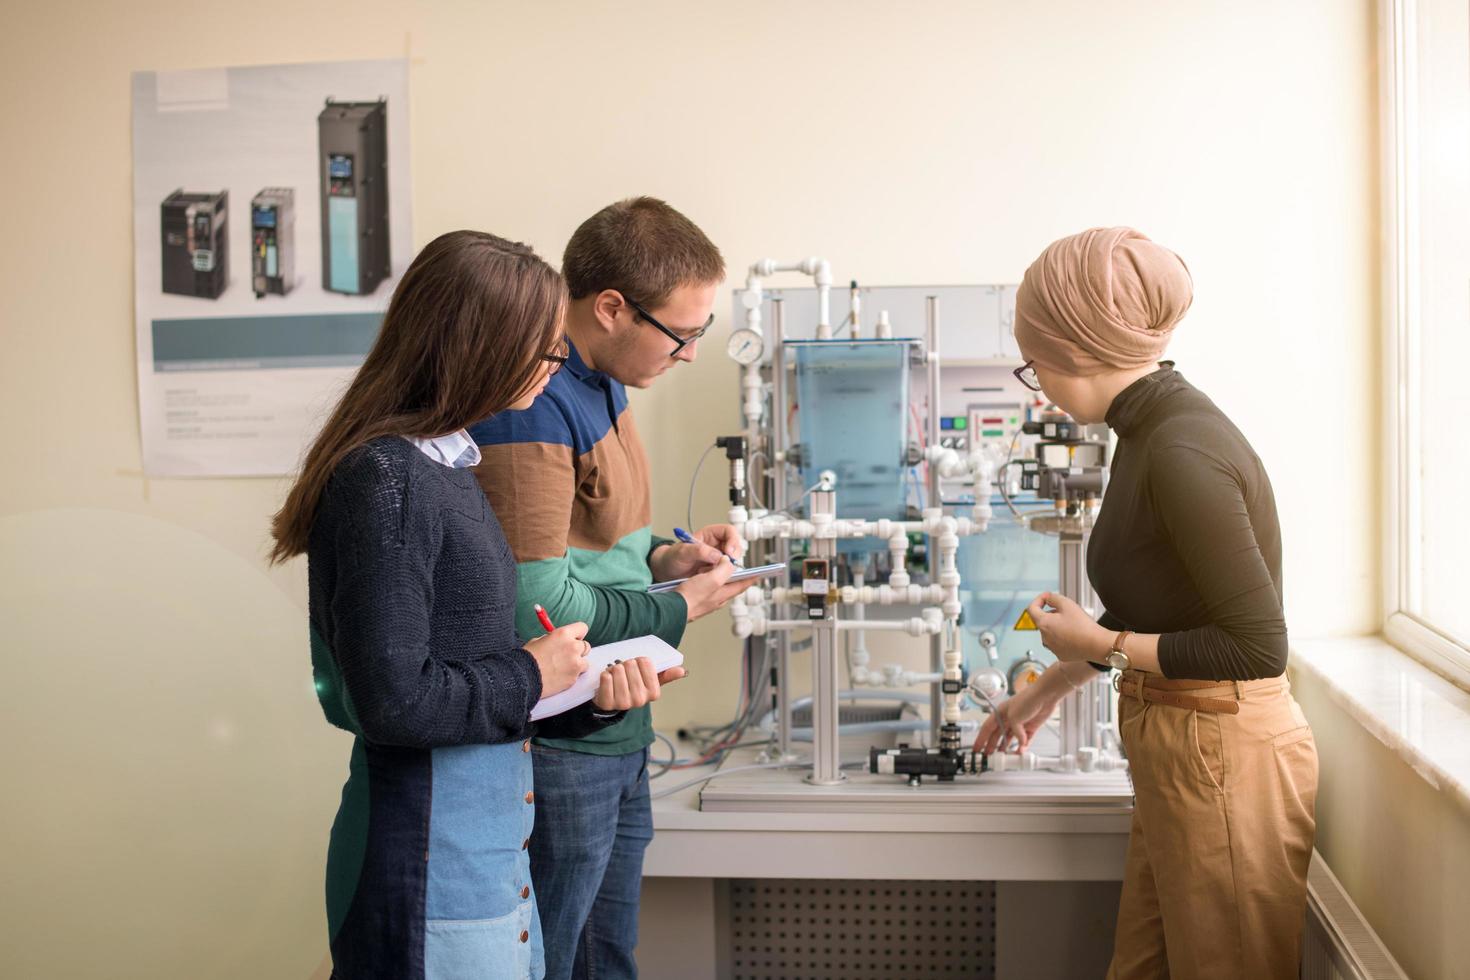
column 1116, row 658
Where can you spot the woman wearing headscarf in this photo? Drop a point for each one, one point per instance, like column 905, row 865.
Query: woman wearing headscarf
column 1186, row 558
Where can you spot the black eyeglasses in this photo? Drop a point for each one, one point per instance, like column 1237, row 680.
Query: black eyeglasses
column 563, row 352
column 679, row 342
column 1026, row 374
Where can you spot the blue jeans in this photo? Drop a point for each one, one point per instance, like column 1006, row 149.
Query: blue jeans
column 593, row 822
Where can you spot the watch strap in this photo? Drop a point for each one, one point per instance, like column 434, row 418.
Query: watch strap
column 1116, row 656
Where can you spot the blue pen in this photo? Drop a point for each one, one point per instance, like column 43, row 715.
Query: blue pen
column 688, row 538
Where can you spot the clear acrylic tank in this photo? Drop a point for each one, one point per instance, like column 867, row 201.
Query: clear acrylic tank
column 1002, row 570
column 852, row 415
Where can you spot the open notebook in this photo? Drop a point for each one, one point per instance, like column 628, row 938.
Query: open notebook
column 585, row 687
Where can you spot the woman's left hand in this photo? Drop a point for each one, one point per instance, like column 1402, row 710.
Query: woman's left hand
column 1067, row 630
column 630, row 684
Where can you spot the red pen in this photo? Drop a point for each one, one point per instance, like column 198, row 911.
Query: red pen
column 545, row 619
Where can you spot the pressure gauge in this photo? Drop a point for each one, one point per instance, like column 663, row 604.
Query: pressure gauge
column 745, row 346
column 988, row 684
column 1025, row 673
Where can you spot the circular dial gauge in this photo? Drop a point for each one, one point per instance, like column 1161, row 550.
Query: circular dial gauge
column 745, row 346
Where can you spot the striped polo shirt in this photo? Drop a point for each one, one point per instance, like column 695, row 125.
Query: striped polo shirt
column 568, row 478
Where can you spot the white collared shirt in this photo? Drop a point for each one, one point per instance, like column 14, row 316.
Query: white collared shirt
column 456, row 450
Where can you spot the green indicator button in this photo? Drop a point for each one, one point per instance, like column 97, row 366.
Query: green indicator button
column 961, row 423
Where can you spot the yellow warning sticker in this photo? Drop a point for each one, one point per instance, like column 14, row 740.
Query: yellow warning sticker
column 1025, row 622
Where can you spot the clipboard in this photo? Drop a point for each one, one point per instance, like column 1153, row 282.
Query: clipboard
column 744, row 575
column 584, row 689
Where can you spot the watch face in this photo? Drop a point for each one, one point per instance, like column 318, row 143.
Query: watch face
column 1119, row 660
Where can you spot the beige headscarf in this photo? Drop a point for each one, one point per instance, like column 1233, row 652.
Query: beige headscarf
column 1105, row 299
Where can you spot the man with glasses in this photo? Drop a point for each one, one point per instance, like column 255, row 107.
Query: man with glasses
column 568, row 479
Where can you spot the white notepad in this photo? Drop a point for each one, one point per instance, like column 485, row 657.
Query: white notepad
column 585, row 687
column 744, row 575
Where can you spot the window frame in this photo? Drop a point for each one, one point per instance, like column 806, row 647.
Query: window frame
column 1403, row 525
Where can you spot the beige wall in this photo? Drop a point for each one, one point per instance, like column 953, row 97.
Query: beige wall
column 1399, row 846
column 169, row 780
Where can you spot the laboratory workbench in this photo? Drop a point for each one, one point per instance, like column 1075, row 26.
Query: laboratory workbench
column 1018, row 826
column 1049, row 846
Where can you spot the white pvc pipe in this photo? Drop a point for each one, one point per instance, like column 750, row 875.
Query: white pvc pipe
column 870, row 595
column 915, row 626
column 754, row 402
column 857, row 657
column 780, row 526
column 871, row 694
column 892, row 675
column 931, row 357
column 898, row 549
column 820, row 271
column 1030, row 762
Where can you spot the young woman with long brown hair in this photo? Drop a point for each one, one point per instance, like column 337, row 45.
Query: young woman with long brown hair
column 413, row 642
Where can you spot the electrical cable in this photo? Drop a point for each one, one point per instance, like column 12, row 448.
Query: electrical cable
column 689, row 509
column 1000, row 484
column 671, row 790
column 750, row 480
column 673, row 756
column 805, row 494
column 707, row 735
column 728, row 736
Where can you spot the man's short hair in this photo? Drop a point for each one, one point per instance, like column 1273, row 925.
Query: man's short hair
column 642, row 248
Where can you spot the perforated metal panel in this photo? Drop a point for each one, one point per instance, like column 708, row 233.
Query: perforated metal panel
column 801, row 929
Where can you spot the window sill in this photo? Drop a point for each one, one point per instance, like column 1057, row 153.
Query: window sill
column 1416, row 713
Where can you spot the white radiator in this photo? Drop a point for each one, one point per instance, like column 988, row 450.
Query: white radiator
column 1339, row 944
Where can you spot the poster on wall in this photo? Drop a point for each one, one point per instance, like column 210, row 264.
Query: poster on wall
column 271, row 221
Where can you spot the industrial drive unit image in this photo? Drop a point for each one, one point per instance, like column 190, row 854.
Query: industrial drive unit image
column 195, row 237
column 273, row 241
column 353, row 167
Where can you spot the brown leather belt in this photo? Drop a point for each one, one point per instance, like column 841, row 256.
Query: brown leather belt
column 1130, row 687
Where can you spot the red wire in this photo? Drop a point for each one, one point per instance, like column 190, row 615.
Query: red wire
column 919, row 435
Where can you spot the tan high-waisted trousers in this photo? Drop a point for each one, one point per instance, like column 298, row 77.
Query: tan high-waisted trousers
column 1223, row 828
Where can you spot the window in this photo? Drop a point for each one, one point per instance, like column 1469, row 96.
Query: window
column 1426, row 84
